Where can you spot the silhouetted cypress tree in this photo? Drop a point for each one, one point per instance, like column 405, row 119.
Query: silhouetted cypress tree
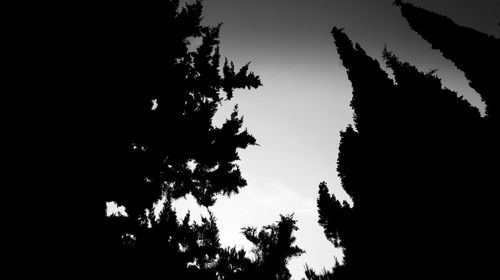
column 419, row 165
column 475, row 53
column 162, row 139
column 115, row 102
column 274, row 247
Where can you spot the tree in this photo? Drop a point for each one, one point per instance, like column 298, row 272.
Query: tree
column 114, row 103
column 418, row 164
column 160, row 140
column 193, row 251
column 274, row 247
column 473, row 52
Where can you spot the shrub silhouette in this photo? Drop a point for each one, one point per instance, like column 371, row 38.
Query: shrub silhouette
column 419, row 163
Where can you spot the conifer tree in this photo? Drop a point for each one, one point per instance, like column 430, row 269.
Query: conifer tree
column 273, row 248
column 114, row 103
column 475, row 53
column 162, row 141
column 419, row 165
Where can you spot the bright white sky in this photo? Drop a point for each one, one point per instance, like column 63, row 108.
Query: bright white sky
column 297, row 115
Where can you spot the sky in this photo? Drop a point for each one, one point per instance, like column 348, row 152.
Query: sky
column 298, row 113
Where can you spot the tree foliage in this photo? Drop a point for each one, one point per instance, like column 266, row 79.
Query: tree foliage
column 419, row 162
column 457, row 43
column 274, row 247
column 114, row 103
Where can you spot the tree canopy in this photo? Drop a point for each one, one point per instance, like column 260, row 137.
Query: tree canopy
column 113, row 104
column 419, row 162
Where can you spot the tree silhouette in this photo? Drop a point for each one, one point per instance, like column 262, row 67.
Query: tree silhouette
column 419, row 164
column 473, row 52
column 274, row 247
column 114, row 103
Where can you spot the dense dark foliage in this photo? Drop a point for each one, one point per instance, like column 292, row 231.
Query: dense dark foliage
column 475, row 53
column 114, row 102
column 420, row 163
column 274, row 247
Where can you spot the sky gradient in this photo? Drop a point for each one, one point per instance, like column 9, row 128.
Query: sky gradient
column 297, row 114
